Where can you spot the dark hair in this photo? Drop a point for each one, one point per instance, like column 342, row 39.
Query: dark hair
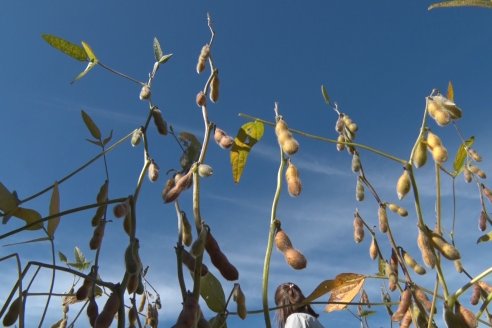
column 287, row 296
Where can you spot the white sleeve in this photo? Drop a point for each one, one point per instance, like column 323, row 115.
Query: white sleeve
column 295, row 321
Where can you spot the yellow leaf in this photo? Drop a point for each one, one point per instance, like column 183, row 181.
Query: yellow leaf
column 323, row 288
column 54, row 209
column 462, row 3
column 8, row 202
column 347, row 286
column 89, row 52
column 248, row 135
column 68, row 48
column 30, row 216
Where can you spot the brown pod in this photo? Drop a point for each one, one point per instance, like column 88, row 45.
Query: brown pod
column 410, row 261
column 403, row 306
column 341, row 142
column 13, row 312
column 214, row 88
column 419, row 157
column 373, row 249
column 143, row 301
column 356, row 165
column 475, row 296
column 295, row 259
column 84, row 290
column 97, row 236
column 127, row 224
column 466, row 315
column 383, row 219
column 281, row 126
column 403, row 185
column 132, row 316
column 169, row 185
column 482, row 221
column 105, row 318
column 425, row 247
column 219, row 260
column 218, row 135
column 290, row 146
column 406, row 321
column 120, row 210
column 359, row 191
column 202, row 58
column 92, row 311
column 433, row 140
column 188, row 316
column 241, row 302
column 474, row 155
column 189, row 261
column 282, row 241
column 136, row 137
column 186, row 235
column 294, row 184
column 423, row 299
column 467, row 175
column 153, row 171
column 358, row 228
column 159, row 122
column 201, row 99
column 132, row 284
column 445, row 248
column 475, row 170
column 226, row 142
column 485, row 286
column 440, row 154
column 145, row 92
column 458, row 266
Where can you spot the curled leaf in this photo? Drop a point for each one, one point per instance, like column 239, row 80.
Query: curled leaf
column 248, row 135
column 347, row 287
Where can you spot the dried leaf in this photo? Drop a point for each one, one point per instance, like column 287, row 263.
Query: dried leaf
column 8, row 202
column 212, row 293
column 93, row 129
column 462, row 3
column 325, row 94
column 157, row 50
column 248, row 135
column 79, row 256
column 219, row 321
column 73, row 50
column 54, row 209
column 28, row 241
column 347, row 287
column 108, row 139
column 450, row 94
column 30, row 216
column 90, row 66
column 192, row 151
column 459, row 160
column 62, row 257
column 485, row 238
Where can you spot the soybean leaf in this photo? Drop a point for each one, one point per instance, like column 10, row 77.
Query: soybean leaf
column 108, row 139
column 91, row 126
column 192, row 149
column 347, row 287
column 73, row 50
column 325, row 94
column 165, row 58
column 54, row 209
column 484, row 238
column 79, row 256
column 248, row 135
column 219, row 321
column 462, row 3
column 459, row 159
column 29, row 216
column 450, row 94
column 80, row 261
column 57, row 324
column 367, row 313
column 323, row 288
column 157, row 50
column 90, row 53
column 8, row 202
column 212, row 292
column 62, row 257
column 84, row 72
column 95, row 142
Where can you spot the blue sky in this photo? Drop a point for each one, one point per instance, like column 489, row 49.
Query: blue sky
column 378, row 60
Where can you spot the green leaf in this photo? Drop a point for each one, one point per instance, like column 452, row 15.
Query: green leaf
column 323, row 288
column 219, row 321
column 54, row 209
column 62, row 257
column 91, row 126
column 8, row 202
column 462, row 3
column 157, row 50
column 485, row 238
column 84, row 72
column 108, row 139
column 459, row 159
column 165, row 58
column 90, row 53
column 29, row 216
column 68, row 48
column 325, row 94
column 248, row 135
column 367, row 313
column 212, row 293
column 95, row 142
column 79, row 256
column 192, row 149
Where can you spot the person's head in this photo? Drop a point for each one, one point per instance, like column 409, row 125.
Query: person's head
column 289, row 296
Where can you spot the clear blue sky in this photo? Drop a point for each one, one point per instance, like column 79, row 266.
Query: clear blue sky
column 378, row 60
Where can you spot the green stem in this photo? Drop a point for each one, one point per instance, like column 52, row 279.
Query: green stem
column 271, row 236
column 315, row 137
column 52, row 283
column 60, row 181
column 463, row 289
column 60, row 214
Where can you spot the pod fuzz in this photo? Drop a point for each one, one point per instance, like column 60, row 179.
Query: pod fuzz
column 145, row 92
column 403, row 185
column 202, row 58
column 294, row 185
column 295, row 259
